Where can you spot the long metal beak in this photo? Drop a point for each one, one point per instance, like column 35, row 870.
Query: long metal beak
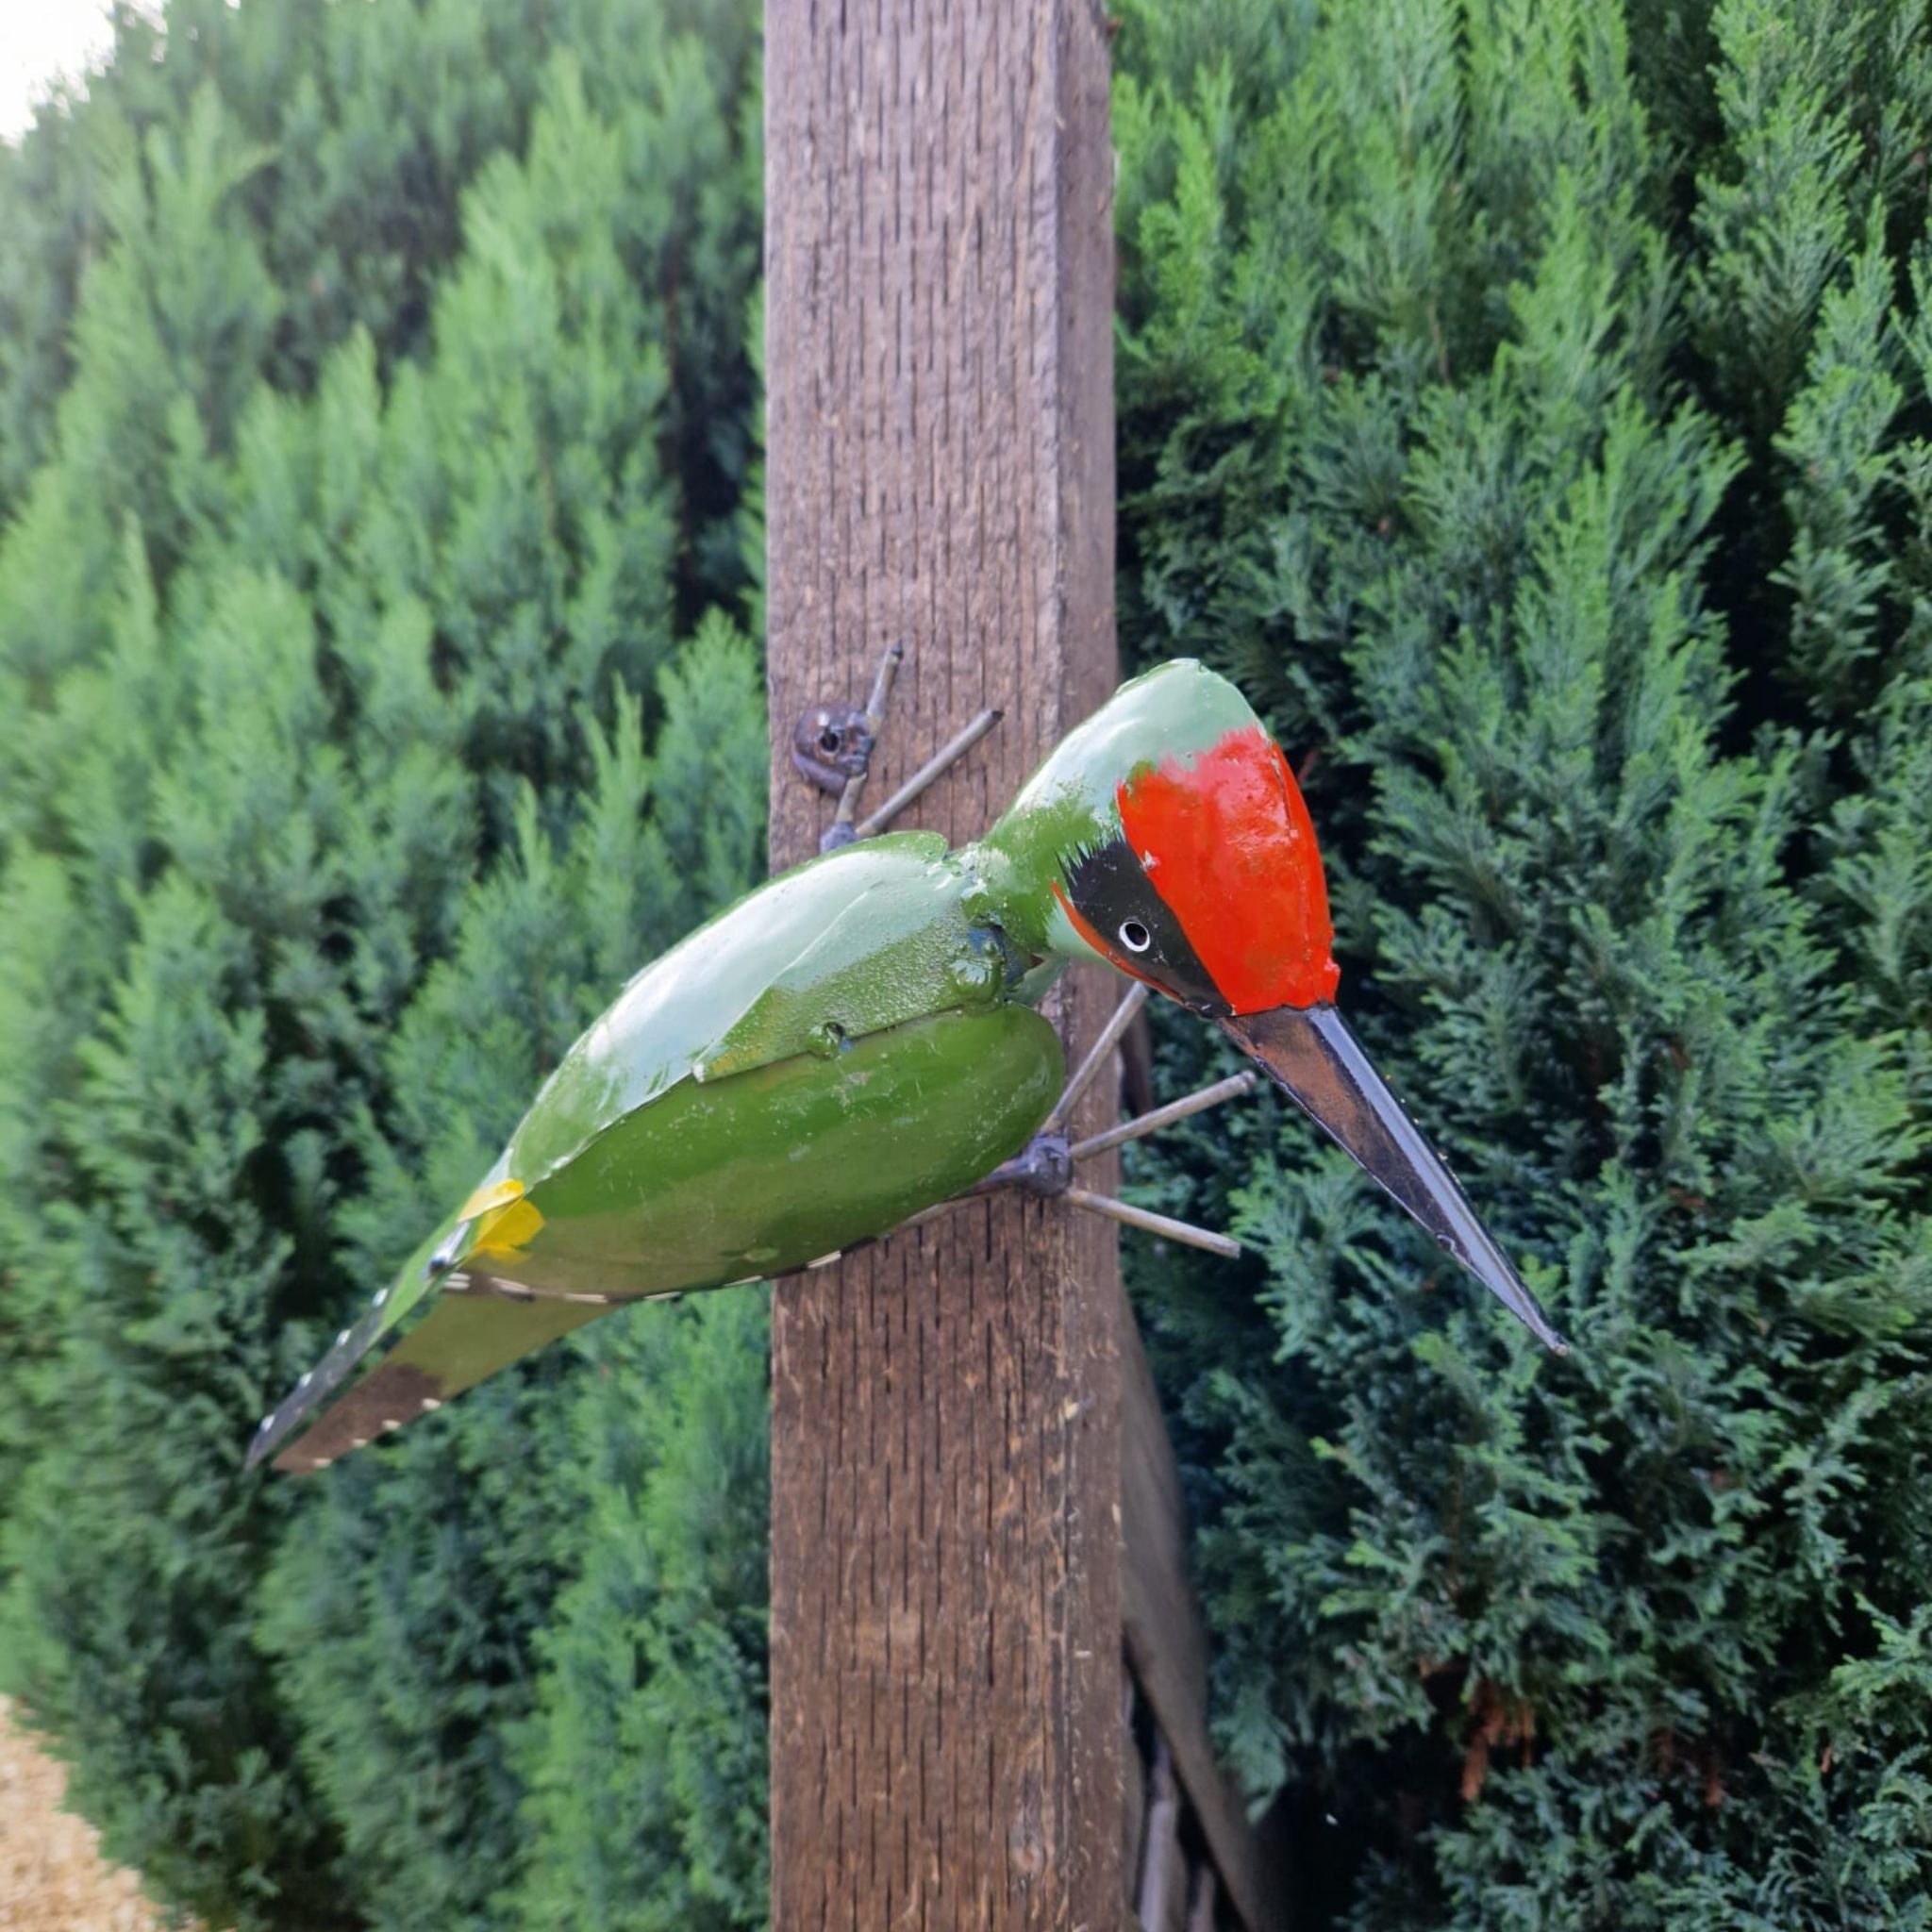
column 1317, row 1062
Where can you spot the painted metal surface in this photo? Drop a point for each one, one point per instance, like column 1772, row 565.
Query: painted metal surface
column 1172, row 842
column 855, row 1042
column 752, row 1174
column 800, row 974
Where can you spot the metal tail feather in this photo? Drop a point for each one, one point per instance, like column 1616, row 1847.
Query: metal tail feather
column 319, row 1384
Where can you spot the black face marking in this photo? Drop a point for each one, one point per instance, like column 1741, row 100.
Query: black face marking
column 1111, row 891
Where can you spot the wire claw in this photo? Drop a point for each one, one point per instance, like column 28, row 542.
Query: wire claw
column 1150, row 1222
column 935, row 767
column 833, row 747
column 1118, row 1023
column 1151, row 1123
column 874, row 718
column 833, row 743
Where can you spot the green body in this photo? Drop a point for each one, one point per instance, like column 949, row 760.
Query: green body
column 854, row 1042
column 839, row 1050
column 846, row 1045
column 763, row 1171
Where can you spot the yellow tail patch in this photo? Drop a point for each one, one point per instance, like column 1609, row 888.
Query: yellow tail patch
column 505, row 1220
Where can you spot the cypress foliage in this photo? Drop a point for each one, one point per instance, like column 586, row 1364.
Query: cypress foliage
column 1542, row 436
column 1526, row 400
column 373, row 708
column 644, row 1760
column 410, row 1611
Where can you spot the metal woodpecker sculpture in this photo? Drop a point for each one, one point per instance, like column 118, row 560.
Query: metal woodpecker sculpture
column 856, row 1046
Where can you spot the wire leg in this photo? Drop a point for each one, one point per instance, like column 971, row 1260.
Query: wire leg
column 1141, row 1125
column 1151, row 1222
column 840, row 831
column 1043, row 1168
column 935, row 767
column 1118, row 1023
column 1124, row 1211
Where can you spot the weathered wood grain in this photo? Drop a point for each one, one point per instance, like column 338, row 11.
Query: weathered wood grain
column 946, row 1735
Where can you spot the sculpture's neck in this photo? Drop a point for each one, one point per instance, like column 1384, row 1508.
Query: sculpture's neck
column 1024, row 856
column 1071, row 805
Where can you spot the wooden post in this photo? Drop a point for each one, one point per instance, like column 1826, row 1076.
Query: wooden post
column 946, row 1673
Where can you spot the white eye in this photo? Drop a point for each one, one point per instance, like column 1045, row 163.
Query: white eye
column 1135, row 937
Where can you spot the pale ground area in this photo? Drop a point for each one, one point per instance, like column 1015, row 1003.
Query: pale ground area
column 51, row 1877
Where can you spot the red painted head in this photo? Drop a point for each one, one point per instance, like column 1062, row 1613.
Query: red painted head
column 1167, row 836
column 1212, row 893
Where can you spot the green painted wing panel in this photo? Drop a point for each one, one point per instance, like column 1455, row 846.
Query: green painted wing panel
column 750, row 1174
column 462, row 1339
column 831, row 953
column 910, row 946
column 764, row 1171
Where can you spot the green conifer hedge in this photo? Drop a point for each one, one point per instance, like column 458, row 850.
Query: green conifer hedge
column 377, row 418
column 1529, row 400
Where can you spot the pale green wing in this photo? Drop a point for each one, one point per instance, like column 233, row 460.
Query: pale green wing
column 387, row 1308
column 864, row 939
column 859, row 938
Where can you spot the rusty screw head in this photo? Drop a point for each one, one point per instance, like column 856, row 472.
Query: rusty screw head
column 831, row 744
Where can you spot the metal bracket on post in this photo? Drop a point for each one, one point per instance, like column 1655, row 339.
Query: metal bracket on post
column 832, row 745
